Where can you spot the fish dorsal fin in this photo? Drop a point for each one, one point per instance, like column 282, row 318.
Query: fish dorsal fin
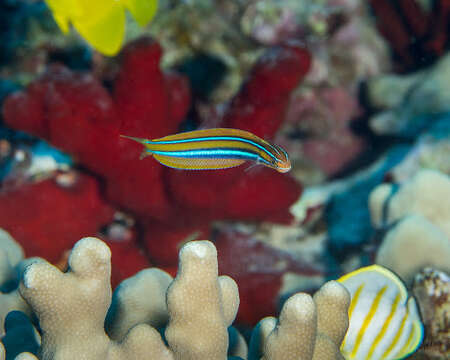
column 211, row 132
column 375, row 276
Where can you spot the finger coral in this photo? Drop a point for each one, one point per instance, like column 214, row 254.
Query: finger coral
column 195, row 318
column 321, row 322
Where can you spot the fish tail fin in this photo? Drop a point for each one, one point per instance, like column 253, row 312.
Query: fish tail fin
column 139, row 140
column 142, row 141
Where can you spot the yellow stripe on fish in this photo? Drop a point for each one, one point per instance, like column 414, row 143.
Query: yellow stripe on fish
column 218, row 148
column 384, row 323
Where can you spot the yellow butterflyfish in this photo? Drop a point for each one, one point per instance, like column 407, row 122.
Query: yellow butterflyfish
column 384, row 322
column 101, row 22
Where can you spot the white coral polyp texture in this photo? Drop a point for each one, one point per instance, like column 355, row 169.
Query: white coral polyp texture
column 298, row 312
column 72, row 306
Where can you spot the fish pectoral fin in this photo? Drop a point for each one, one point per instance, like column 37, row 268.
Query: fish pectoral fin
column 252, row 166
column 144, row 154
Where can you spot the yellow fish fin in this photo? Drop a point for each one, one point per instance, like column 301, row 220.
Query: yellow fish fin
column 142, row 10
column 210, row 132
column 416, row 334
column 197, row 164
column 144, row 154
column 106, row 30
column 385, row 273
column 59, row 11
column 63, row 23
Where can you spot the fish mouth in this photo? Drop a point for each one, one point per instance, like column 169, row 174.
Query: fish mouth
column 284, row 169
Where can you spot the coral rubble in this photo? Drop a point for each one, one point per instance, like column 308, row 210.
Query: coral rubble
column 432, row 290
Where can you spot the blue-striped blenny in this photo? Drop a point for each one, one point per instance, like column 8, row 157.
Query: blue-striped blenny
column 217, row 148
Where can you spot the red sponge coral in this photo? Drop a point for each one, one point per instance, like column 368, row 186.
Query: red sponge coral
column 47, row 218
column 75, row 112
column 258, row 268
column 259, row 107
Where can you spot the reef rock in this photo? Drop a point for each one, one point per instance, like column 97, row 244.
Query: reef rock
column 432, row 291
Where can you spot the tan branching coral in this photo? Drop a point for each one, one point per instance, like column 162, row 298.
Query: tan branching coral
column 131, row 305
column 413, row 244
column 423, row 195
column 417, row 217
column 72, row 306
column 10, row 255
column 189, row 299
column 72, row 303
column 308, row 328
column 196, row 308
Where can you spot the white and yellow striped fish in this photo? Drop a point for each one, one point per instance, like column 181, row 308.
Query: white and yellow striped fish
column 384, row 320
